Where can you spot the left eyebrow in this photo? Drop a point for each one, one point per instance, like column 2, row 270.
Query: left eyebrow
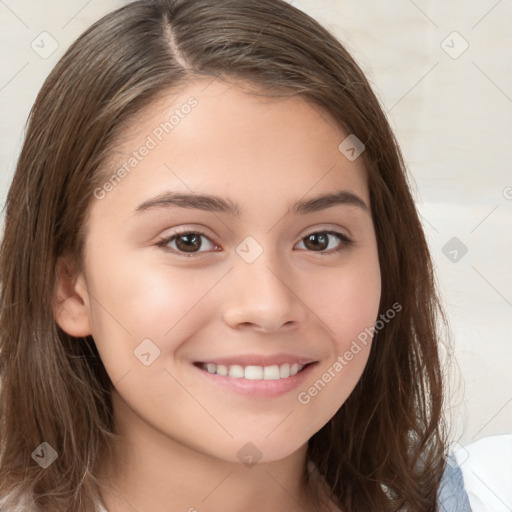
column 217, row 204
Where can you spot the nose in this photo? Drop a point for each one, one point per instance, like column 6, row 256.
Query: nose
column 264, row 296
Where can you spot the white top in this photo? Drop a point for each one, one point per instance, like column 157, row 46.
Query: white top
column 486, row 465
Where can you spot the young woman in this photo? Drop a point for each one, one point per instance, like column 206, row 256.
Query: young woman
column 216, row 290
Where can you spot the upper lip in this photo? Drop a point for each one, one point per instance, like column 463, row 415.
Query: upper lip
column 259, row 360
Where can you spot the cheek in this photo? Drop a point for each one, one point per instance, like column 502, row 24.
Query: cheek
column 132, row 301
column 346, row 300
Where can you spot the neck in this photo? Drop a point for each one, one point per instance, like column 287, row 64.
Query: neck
column 151, row 471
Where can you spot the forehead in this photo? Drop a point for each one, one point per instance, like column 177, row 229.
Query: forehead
column 219, row 138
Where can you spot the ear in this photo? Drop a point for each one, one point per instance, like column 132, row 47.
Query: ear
column 71, row 305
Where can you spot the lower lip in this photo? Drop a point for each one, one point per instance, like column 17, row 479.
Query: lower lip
column 259, row 388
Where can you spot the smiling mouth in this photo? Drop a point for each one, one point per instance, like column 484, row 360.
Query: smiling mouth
column 251, row 372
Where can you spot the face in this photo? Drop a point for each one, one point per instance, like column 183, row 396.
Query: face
column 269, row 284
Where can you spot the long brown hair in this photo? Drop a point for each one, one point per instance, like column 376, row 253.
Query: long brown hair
column 383, row 450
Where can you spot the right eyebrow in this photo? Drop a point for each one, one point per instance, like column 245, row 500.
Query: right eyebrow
column 324, row 201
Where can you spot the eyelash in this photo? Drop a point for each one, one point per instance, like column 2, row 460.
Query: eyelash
column 163, row 243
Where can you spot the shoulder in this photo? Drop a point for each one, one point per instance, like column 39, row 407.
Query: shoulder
column 452, row 495
column 486, row 466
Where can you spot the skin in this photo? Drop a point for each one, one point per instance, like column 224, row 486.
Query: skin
column 180, row 433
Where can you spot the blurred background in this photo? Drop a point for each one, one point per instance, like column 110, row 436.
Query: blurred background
column 443, row 73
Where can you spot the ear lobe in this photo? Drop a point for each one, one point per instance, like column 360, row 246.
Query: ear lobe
column 71, row 301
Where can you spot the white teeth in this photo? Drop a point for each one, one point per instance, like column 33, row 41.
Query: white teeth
column 284, row 371
column 273, row 372
column 236, row 371
column 253, row 372
column 221, row 369
column 295, row 368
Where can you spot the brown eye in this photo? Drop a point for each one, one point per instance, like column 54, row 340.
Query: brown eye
column 321, row 242
column 187, row 243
